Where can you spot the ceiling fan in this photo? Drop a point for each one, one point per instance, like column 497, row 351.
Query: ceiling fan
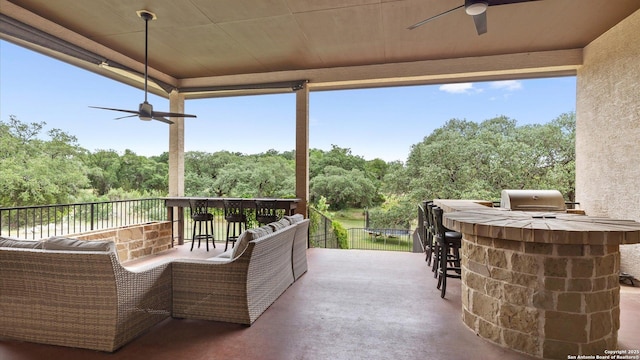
column 145, row 111
column 475, row 8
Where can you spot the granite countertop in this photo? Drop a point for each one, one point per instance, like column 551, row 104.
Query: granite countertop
column 471, row 217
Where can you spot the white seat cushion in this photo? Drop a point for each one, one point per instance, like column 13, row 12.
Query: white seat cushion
column 226, row 255
column 219, row 260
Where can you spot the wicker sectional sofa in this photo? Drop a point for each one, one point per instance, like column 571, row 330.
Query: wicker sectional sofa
column 76, row 293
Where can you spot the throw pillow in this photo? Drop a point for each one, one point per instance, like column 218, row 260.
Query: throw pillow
column 19, row 243
column 63, row 243
column 280, row 224
column 294, row 219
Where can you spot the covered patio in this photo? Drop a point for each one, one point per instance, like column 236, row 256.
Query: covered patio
column 349, row 305
column 354, row 304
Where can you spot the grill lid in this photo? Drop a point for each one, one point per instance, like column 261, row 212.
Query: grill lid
column 532, row 200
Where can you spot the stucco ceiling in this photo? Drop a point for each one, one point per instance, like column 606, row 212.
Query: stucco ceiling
column 196, row 45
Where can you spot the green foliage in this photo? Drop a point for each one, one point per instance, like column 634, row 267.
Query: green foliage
column 342, row 235
column 202, row 169
column 343, row 188
column 39, row 171
column 235, row 175
column 337, row 157
column 396, row 213
column 103, row 170
column 322, row 205
column 109, row 170
column 467, row 160
column 461, row 159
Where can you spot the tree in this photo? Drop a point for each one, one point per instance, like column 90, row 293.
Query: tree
column 466, row 160
column 257, row 176
column 343, row 188
column 395, row 213
column 376, row 169
column 202, row 170
column 337, row 156
column 103, row 170
column 36, row 171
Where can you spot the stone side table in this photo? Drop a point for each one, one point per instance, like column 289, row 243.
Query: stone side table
column 545, row 284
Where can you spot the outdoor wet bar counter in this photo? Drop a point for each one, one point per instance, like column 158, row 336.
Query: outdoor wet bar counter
column 542, row 283
column 181, row 202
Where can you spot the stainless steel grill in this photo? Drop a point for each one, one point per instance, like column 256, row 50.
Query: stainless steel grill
column 532, row 200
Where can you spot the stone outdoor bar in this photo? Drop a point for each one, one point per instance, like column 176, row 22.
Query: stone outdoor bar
column 545, row 284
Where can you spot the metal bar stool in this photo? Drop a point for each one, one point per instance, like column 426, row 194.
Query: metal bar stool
column 236, row 219
column 201, row 216
column 448, row 258
column 266, row 211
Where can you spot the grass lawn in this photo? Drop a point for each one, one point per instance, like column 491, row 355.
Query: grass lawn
column 350, row 218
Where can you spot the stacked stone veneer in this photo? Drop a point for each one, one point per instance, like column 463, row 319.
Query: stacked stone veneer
column 546, row 300
column 135, row 241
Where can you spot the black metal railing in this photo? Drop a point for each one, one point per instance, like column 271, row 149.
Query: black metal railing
column 36, row 222
column 321, row 234
column 380, row 239
column 321, row 231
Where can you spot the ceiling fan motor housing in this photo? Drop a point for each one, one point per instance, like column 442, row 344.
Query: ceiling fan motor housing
column 145, row 111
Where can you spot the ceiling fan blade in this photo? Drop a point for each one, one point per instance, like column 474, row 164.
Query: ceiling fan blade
column 507, row 2
column 160, row 118
column 481, row 22
column 170, row 114
column 432, row 18
column 122, row 110
column 124, row 117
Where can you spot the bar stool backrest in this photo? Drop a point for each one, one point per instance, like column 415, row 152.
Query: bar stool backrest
column 429, row 217
column 200, row 210
column 234, row 211
column 439, row 230
column 266, row 211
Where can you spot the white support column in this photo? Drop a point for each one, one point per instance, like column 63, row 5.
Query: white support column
column 302, row 149
column 176, row 146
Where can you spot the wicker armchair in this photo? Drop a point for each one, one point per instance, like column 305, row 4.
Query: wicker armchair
column 83, row 299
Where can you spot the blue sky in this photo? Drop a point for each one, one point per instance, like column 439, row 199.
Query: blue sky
column 373, row 123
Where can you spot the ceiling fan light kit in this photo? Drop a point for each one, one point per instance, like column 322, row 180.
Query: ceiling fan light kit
column 475, row 7
column 145, row 110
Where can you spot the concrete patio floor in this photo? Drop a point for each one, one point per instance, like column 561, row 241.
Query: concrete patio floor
column 349, row 305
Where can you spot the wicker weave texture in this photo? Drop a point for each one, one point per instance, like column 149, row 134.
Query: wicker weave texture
column 300, row 243
column 238, row 291
column 78, row 299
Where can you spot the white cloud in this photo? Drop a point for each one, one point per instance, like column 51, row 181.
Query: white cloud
column 509, row 85
column 461, row 88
